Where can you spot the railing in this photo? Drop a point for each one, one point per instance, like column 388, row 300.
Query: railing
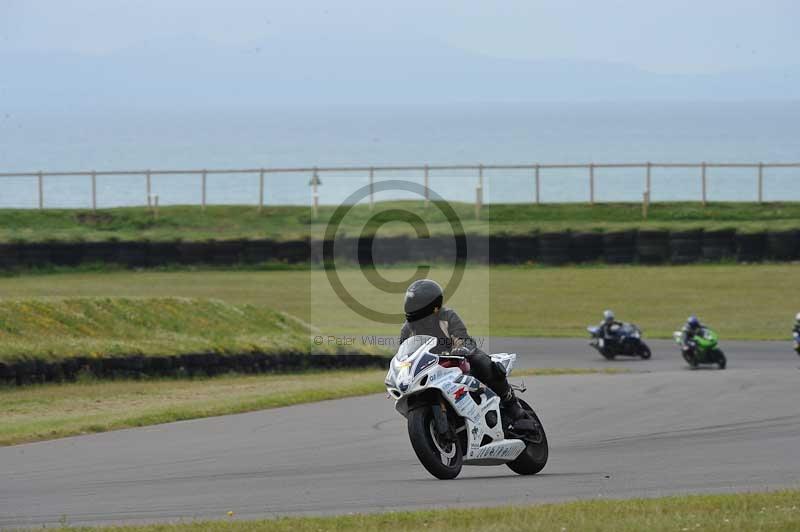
column 536, row 175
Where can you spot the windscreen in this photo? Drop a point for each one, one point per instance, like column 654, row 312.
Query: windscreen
column 411, row 345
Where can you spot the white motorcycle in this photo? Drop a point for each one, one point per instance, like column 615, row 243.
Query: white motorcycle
column 453, row 419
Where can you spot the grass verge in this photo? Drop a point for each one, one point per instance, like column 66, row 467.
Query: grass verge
column 55, row 329
column 191, row 223
column 739, row 301
column 51, row 411
column 773, row 511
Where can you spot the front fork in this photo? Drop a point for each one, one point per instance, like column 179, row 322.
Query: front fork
column 440, row 418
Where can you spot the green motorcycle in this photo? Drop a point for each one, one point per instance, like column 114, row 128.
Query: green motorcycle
column 702, row 348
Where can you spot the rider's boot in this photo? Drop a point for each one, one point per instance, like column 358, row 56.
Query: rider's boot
column 518, row 418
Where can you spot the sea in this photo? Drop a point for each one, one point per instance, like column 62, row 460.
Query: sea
column 460, row 134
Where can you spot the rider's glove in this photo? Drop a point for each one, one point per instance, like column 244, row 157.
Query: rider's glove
column 461, row 352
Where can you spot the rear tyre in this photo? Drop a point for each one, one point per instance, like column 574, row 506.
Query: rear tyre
column 608, row 355
column 644, row 351
column 534, row 457
column 721, row 360
column 442, row 459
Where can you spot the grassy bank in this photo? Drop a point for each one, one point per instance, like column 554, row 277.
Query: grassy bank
column 191, row 223
column 739, row 301
column 55, row 329
column 774, row 511
column 50, row 411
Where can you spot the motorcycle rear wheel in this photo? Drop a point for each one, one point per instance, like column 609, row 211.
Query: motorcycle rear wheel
column 442, row 459
column 534, row 457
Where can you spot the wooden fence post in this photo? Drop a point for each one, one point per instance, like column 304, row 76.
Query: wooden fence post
column 647, row 182
column 94, row 190
column 149, row 191
column 203, row 206
column 371, row 188
column 479, row 193
column 591, row 184
column 315, row 193
column 41, row 191
column 261, row 190
column 427, row 189
column 537, row 185
column 703, row 166
column 761, row 182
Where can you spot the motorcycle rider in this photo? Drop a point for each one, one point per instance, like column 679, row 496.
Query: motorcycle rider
column 796, row 328
column 692, row 328
column 608, row 325
column 426, row 315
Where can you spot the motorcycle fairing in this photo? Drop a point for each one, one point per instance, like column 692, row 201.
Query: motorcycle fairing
column 470, row 399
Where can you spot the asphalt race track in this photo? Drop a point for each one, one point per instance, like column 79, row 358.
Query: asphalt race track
column 661, row 429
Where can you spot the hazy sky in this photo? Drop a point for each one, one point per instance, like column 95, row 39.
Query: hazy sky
column 675, row 36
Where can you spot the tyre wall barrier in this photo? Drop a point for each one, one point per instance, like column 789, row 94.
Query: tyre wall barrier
column 719, row 245
column 554, row 248
column 685, row 246
column 9, row 256
column 619, row 247
column 652, row 246
column 519, row 249
column 66, row 253
column 478, row 249
column 390, row 250
column 645, row 246
column 189, row 365
column 133, row 254
column 32, row 254
column 193, row 252
column 104, row 252
column 750, row 247
column 225, row 252
column 256, row 251
column 498, row 250
column 586, row 247
column 292, row 251
column 160, row 253
column 783, row 245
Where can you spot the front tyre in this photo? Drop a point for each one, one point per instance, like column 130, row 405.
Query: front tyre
column 644, row 351
column 442, row 459
column 534, row 457
column 721, row 360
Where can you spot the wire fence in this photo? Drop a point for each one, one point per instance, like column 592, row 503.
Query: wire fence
column 581, row 175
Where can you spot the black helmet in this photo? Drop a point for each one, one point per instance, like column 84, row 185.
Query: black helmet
column 421, row 298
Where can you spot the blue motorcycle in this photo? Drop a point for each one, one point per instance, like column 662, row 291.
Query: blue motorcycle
column 625, row 340
column 796, row 342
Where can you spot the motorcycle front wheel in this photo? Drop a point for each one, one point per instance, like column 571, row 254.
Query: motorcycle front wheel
column 644, row 351
column 534, row 457
column 443, row 459
column 721, row 360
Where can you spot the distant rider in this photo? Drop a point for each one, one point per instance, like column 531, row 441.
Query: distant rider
column 426, row 315
column 609, row 325
column 692, row 328
column 796, row 328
